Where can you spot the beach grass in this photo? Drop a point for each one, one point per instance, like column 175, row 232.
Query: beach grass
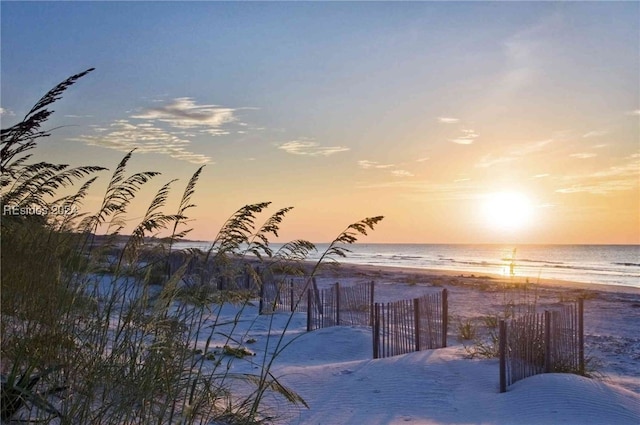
column 100, row 329
column 99, row 333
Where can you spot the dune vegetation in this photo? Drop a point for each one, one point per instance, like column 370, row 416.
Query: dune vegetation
column 97, row 326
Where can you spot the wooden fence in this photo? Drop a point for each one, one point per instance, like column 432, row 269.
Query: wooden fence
column 223, row 274
column 284, row 294
column 333, row 306
column 547, row 342
column 399, row 327
column 404, row 326
column 339, row 305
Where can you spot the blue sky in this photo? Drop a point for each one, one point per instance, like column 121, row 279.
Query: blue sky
column 418, row 111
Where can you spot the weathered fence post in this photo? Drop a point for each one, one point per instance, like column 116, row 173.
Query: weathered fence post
column 445, row 316
column 547, row 341
column 337, row 289
column 309, row 309
column 376, row 331
column 220, row 282
column 371, row 303
column 503, row 356
column 262, row 283
column 581, row 335
column 247, row 278
column 316, row 292
column 293, row 307
column 416, row 321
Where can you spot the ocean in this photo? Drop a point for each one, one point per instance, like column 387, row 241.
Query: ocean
column 597, row 264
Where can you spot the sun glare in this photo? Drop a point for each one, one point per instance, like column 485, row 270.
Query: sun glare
column 507, row 211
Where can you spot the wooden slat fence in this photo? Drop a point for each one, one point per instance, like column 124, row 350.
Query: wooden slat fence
column 353, row 304
column 399, row 327
column 405, row 326
column 246, row 279
column 336, row 305
column 283, row 294
column 340, row 305
column 547, row 342
column 203, row 270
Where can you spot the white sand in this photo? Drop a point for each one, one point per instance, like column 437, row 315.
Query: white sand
column 333, row 371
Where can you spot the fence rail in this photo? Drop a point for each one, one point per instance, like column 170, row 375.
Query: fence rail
column 405, row 326
column 201, row 269
column 398, row 327
column 283, row 295
column 547, row 342
column 340, row 305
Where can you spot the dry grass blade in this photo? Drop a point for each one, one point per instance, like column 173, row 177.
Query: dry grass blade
column 260, row 241
column 350, row 236
column 55, row 93
column 43, row 179
column 296, row 250
column 119, row 194
column 273, row 384
column 152, row 221
column 238, row 228
column 20, row 137
column 185, row 204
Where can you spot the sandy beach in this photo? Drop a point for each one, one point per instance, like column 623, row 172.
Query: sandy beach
column 612, row 313
column 333, row 369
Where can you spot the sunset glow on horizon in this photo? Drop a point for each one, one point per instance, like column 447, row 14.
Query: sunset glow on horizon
column 459, row 122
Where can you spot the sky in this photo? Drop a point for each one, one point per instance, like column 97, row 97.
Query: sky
column 482, row 122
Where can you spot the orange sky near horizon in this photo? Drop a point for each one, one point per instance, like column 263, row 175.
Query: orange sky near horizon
column 421, row 112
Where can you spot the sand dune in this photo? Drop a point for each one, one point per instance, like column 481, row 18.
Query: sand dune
column 333, row 369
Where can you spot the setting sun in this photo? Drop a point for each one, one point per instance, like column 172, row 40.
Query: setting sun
column 509, row 211
column 523, row 127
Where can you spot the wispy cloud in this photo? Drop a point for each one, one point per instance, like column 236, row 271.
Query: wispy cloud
column 310, row 148
column 6, row 112
column 514, row 154
column 583, row 155
column 124, row 136
column 185, row 113
column 489, row 160
column 635, row 112
column 526, row 53
column 600, row 188
column 366, row 164
column 423, row 159
column 393, row 169
column 402, row 173
column 434, row 191
column 467, row 138
column 167, row 128
column 448, row 120
column 624, row 176
column 595, row 133
column 78, row 116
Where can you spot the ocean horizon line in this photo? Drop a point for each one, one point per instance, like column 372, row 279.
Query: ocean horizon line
column 587, row 263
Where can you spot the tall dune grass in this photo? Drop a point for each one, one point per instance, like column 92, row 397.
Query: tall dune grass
column 101, row 330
